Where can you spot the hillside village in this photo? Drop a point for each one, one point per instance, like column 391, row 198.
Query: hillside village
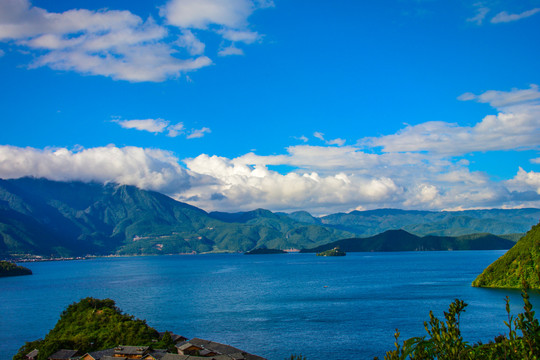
column 194, row 349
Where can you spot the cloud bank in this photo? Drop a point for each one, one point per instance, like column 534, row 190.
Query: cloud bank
column 420, row 167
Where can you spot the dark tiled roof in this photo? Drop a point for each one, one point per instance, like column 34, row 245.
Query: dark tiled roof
column 98, row 355
column 63, row 354
column 130, row 350
column 175, row 338
column 230, row 351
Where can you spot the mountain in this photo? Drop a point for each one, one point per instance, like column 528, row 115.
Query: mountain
column 50, row 218
column 520, row 263
column 440, row 223
column 401, row 240
column 61, row 219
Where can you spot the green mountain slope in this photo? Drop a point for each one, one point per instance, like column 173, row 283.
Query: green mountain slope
column 49, row 218
column 520, row 263
column 401, row 240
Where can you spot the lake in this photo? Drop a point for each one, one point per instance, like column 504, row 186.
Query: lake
column 270, row 305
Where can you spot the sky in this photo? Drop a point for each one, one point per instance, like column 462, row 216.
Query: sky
column 233, row 105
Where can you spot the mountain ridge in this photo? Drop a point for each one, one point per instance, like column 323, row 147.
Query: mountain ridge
column 61, row 219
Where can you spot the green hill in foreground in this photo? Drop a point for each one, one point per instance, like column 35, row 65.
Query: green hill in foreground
column 94, row 324
column 520, row 264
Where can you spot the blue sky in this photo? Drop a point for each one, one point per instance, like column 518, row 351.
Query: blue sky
column 287, row 105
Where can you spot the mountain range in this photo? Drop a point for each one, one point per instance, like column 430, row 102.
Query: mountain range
column 51, row 218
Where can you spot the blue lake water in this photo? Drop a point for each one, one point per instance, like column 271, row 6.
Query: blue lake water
column 269, row 305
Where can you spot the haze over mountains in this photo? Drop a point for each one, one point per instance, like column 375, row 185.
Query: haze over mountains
column 49, row 218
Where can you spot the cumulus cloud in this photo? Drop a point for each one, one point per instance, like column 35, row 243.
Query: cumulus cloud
column 516, row 126
column 120, row 44
column 420, row 167
column 145, row 168
column 524, row 181
column 506, row 17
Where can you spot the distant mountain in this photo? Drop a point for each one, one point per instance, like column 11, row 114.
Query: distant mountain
column 520, row 263
column 50, row 218
column 401, row 240
column 441, row 223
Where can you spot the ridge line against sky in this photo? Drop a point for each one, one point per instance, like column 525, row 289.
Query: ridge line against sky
column 238, row 104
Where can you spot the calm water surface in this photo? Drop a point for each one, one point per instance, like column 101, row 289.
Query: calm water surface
column 270, row 305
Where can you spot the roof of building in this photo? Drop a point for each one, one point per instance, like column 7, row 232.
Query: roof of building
column 63, row 354
column 220, row 349
column 175, row 338
column 33, row 353
column 98, row 355
column 130, row 350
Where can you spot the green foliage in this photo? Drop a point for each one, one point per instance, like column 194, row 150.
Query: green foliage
column 444, row 340
column 94, row 324
column 10, row 269
column 520, row 264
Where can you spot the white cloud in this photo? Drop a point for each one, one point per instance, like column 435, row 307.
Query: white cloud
column 198, row 133
column 175, row 130
column 420, row 167
column 245, row 36
column 121, row 45
column 159, row 126
column 480, row 15
column 516, row 126
column 499, row 99
column 319, row 135
column 535, row 161
column 338, row 142
column 230, row 50
column 200, row 14
column 146, row 168
column 506, row 17
column 524, row 181
column 193, row 45
column 150, row 125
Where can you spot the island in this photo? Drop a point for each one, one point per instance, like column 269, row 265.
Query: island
column 332, row 252
column 262, row 251
column 10, row 269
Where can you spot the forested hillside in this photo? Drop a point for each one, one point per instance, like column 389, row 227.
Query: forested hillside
column 519, row 265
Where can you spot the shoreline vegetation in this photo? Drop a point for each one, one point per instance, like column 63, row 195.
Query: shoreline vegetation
column 10, row 269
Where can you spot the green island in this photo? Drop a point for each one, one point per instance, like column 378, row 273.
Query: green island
column 95, row 329
column 332, row 252
column 8, row 268
column 518, row 265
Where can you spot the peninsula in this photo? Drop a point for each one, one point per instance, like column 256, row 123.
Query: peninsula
column 10, row 269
